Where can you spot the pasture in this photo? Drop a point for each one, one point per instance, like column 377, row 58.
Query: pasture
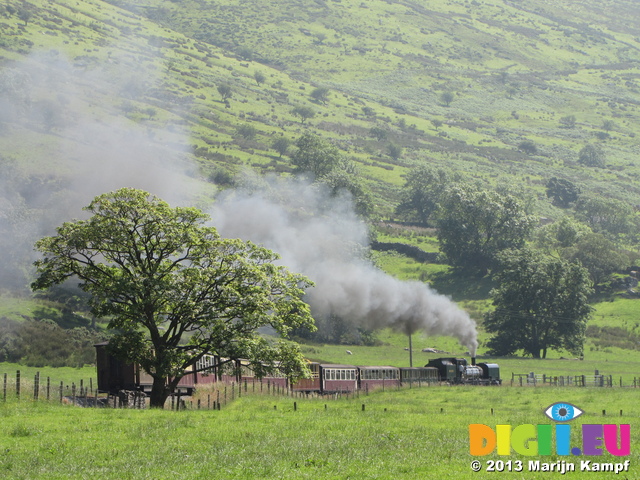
column 406, row 434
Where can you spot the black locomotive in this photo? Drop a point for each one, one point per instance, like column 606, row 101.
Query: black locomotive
column 457, row 371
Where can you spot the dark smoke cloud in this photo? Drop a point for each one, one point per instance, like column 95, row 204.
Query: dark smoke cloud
column 321, row 237
column 66, row 138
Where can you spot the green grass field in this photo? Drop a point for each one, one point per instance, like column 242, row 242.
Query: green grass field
column 407, row 434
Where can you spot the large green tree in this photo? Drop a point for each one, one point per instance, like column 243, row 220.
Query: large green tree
column 600, row 256
column 607, row 215
column 422, row 191
column 475, row 225
column 173, row 289
column 541, row 303
column 315, row 156
column 323, row 162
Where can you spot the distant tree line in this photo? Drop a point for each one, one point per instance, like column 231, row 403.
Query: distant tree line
column 38, row 343
column 545, row 275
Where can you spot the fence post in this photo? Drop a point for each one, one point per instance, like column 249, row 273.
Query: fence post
column 48, row 388
column 61, row 387
column 18, row 383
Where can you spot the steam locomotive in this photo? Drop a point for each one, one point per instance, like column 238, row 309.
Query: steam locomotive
column 456, row 371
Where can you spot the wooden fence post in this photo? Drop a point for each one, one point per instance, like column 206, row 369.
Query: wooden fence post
column 48, row 388
column 61, row 387
column 18, row 383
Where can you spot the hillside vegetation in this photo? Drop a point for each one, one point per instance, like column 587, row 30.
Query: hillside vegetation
column 180, row 97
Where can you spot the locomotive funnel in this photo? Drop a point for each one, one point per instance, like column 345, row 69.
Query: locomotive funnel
column 473, row 360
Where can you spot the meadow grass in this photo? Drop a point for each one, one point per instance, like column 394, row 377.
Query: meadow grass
column 405, row 434
column 67, row 375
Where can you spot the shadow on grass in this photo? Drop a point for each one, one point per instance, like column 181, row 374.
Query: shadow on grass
column 458, row 286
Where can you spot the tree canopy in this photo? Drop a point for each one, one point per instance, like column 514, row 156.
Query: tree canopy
column 315, row 155
column 422, row 191
column 475, row 225
column 173, row 289
column 540, row 304
column 323, row 161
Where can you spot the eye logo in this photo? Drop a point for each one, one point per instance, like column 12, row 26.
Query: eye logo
column 563, row 412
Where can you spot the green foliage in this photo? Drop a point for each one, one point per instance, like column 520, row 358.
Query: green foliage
column 321, row 95
column 303, row 112
column 281, row 145
column 608, row 125
column 599, row 255
column 560, row 235
column 606, row 215
column 395, row 151
column 339, row 180
column 379, row 133
column 259, row 77
column 562, row 192
column 325, row 164
column 476, row 225
column 172, row 288
column 315, row 155
column 423, row 189
column 247, row 131
column 568, row 121
column 591, row 156
column 541, row 303
column 528, row 147
column 225, row 92
column 446, row 98
column 40, row 343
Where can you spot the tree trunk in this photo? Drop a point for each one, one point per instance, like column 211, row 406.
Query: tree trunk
column 159, row 393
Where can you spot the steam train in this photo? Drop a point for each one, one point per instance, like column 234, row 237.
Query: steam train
column 115, row 375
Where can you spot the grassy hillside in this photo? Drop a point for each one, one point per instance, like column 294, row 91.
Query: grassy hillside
column 514, row 73
column 95, row 95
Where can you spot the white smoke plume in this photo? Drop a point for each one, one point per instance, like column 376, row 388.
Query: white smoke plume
column 320, row 237
column 69, row 132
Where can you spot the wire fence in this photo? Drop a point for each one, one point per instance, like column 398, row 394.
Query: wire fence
column 596, row 380
column 43, row 388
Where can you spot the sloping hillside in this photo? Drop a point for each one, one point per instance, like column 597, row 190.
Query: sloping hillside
column 179, row 96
